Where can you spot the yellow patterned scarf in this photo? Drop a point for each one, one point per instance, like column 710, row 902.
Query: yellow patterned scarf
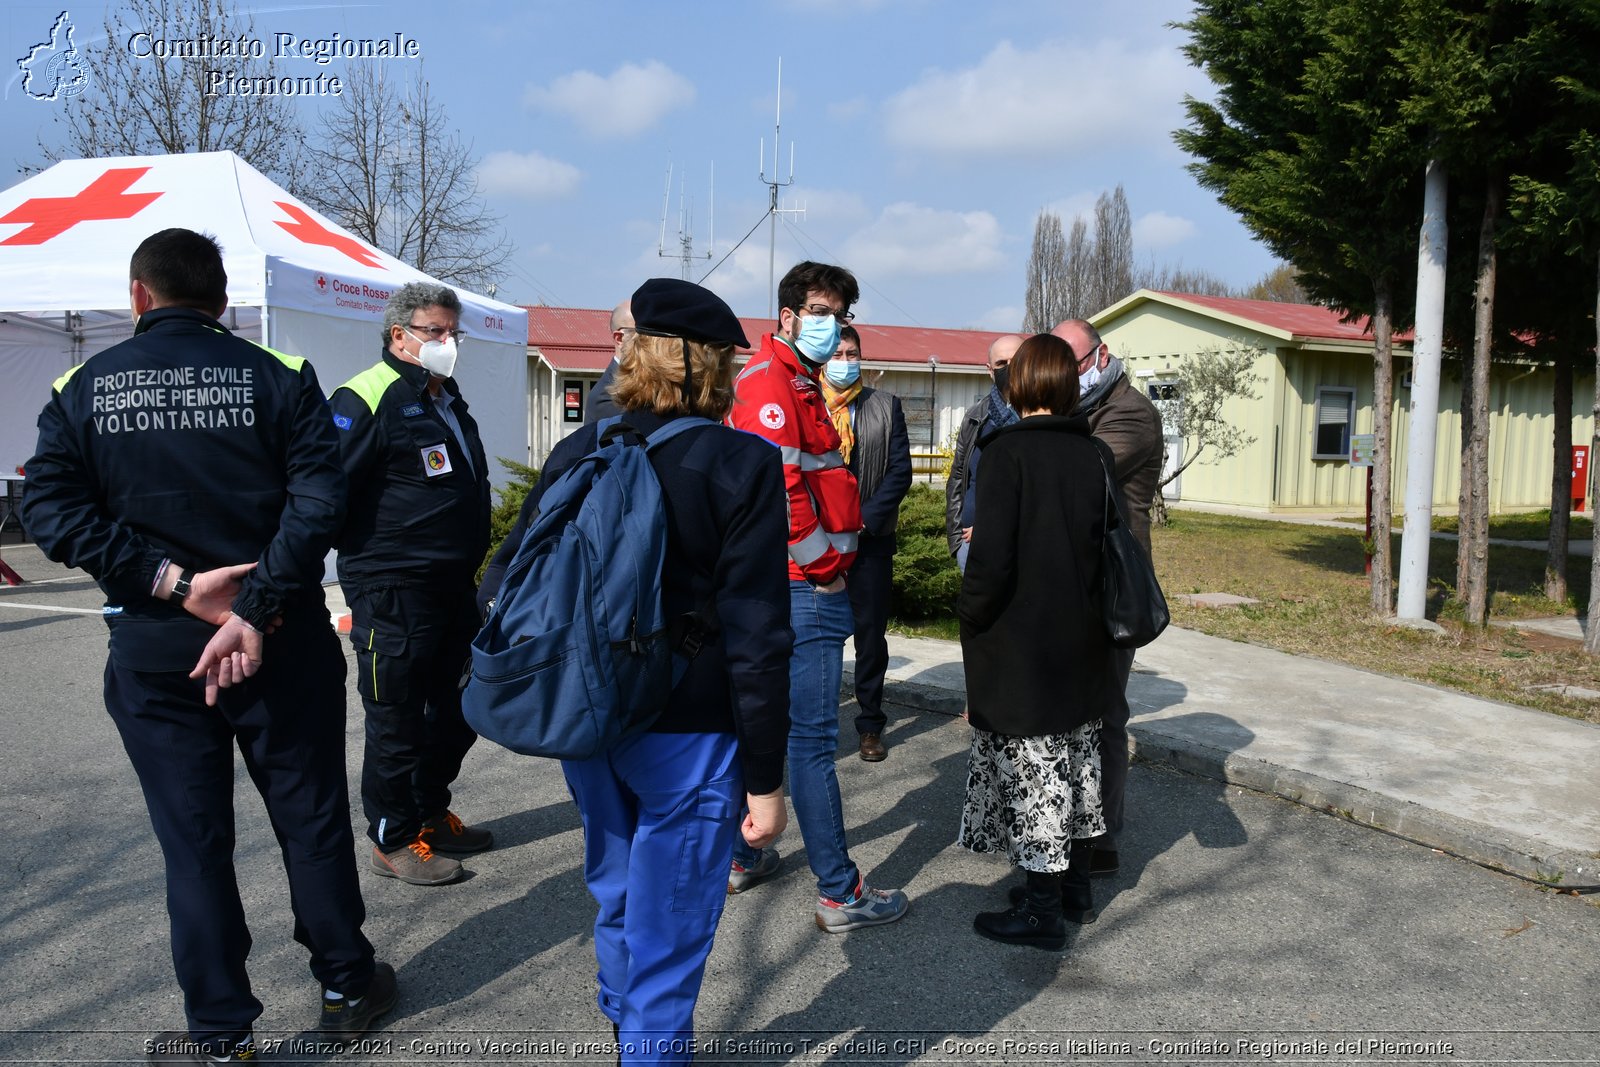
column 839, row 402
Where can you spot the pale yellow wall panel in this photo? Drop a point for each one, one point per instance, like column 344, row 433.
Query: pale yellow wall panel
column 1278, row 471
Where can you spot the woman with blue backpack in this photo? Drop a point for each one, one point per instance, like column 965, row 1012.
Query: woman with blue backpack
column 660, row 806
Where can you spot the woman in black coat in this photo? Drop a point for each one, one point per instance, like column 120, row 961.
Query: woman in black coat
column 1040, row 671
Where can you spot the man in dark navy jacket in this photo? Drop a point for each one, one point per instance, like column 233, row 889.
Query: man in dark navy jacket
column 195, row 476
column 417, row 531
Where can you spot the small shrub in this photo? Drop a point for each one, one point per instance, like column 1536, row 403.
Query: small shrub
column 503, row 516
column 926, row 580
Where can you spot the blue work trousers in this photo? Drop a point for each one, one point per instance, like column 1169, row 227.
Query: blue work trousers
column 660, row 813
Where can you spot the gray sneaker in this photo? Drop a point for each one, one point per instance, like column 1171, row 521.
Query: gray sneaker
column 869, row 907
column 742, row 878
column 416, row 863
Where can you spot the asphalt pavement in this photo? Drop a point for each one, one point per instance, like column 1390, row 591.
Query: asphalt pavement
column 1242, row 928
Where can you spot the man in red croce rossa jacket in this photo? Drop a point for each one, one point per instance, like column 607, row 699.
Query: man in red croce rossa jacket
column 777, row 397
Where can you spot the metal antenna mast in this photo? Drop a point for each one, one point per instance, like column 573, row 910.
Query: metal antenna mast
column 773, row 185
column 685, row 253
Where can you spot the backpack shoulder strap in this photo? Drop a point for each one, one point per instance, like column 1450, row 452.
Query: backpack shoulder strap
column 674, row 428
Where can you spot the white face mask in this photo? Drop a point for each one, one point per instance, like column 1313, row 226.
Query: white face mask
column 437, row 357
column 1088, row 378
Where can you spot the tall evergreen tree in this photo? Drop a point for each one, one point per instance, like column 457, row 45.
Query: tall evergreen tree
column 1309, row 143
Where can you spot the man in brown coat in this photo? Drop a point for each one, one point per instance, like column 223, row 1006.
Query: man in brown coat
column 1124, row 418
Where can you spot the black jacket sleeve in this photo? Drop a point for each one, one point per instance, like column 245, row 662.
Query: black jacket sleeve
column 62, row 512
column 312, row 514
column 955, row 487
column 753, row 607
column 991, row 576
column 881, row 512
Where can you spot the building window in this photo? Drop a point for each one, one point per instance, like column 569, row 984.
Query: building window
column 1335, row 412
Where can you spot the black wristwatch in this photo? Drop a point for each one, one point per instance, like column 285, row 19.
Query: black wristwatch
column 180, row 588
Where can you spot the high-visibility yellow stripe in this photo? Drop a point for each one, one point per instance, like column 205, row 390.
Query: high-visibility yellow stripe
column 294, row 363
column 372, row 383
column 61, row 382
column 371, row 636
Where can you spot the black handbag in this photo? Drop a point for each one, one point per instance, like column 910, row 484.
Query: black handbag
column 1131, row 600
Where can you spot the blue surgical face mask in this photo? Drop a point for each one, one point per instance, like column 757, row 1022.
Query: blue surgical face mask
column 842, row 372
column 819, row 337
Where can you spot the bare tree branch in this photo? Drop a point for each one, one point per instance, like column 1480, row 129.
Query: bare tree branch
column 397, row 175
column 144, row 105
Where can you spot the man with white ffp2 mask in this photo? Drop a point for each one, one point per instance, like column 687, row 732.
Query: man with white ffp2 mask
column 417, row 528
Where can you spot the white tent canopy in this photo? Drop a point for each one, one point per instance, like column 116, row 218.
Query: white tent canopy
column 296, row 282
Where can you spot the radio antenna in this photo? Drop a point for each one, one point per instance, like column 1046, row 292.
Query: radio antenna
column 773, row 185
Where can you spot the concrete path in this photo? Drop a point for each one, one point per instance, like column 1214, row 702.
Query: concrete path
column 1237, row 921
column 1506, row 786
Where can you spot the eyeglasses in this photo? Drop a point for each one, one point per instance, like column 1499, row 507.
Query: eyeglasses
column 823, row 311
column 438, row 333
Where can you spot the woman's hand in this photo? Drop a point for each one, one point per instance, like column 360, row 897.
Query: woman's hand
column 766, row 819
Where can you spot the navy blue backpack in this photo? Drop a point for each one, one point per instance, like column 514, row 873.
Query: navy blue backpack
column 577, row 652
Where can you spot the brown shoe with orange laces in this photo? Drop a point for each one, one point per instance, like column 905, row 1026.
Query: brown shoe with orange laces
column 448, row 834
column 416, row 863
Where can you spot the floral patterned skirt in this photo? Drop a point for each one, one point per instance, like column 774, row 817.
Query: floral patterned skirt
column 1031, row 797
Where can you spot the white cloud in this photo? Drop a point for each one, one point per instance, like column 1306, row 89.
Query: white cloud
column 528, row 175
column 848, row 110
column 1054, row 100
column 832, row 208
column 1160, row 230
column 1076, row 206
column 907, row 238
column 624, row 103
column 1006, row 319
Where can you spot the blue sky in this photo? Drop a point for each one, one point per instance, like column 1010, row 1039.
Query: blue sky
column 927, row 135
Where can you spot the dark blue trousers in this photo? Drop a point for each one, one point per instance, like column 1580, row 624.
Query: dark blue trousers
column 870, row 585
column 412, row 642
column 660, row 812
column 288, row 724
column 1114, row 752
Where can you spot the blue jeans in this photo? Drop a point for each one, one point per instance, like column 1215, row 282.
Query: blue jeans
column 822, row 622
column 660, row 814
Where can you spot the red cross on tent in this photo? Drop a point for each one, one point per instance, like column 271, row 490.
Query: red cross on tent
column 106, row 197
column 307, row 229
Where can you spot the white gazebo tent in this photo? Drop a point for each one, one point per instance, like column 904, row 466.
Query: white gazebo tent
column 296, row 282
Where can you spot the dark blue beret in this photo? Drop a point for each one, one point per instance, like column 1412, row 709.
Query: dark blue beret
column 671, row 307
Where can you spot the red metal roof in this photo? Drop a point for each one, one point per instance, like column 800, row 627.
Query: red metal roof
column 574, row 358
column 1308, row 321
column 579, row 339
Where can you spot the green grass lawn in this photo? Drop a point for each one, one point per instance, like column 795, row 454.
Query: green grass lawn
column 1313, row 596
column 1525, row 526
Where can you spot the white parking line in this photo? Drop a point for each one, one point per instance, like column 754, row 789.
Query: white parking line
column 47, row 607
column 23, row 588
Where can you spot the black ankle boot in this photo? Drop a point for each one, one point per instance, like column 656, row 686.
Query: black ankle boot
column 1077, row 894
column 1036, row 921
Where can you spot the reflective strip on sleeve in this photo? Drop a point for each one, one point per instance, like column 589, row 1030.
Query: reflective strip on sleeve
column 811, row 548
column 844, row 542
column 751, row 368
column 791, row 456
column 826, row 461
